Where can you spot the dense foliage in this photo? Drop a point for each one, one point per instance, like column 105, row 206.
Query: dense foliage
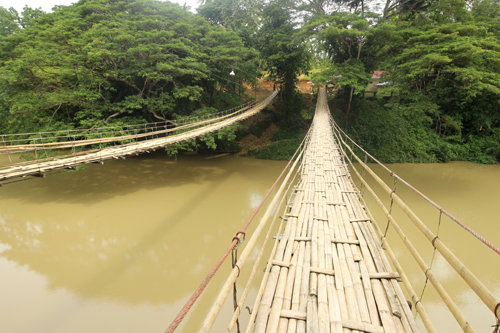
column 108, row 62
column 442, row 99
column 103, row 62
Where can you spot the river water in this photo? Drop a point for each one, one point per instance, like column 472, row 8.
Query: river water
column 121, row 247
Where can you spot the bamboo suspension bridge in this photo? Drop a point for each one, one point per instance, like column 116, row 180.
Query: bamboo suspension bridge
column 331, row 268
column 328, row 272
column 133, row 140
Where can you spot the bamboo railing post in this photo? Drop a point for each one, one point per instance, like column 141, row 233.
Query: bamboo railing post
column 479, row 288
column 254, row 269
column 212, row 314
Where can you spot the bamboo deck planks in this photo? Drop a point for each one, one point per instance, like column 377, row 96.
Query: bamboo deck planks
column 330, row 273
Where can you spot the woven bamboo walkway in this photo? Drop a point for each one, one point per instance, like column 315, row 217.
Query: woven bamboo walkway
column 329, row 272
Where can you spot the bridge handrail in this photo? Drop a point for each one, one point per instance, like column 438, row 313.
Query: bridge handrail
column 86, row 142
column 441, row 209
column 472, row 281
column 123, row 128
column 41, row 165
column 246, row 252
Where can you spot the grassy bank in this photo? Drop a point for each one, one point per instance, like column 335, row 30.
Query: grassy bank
column 396, row 133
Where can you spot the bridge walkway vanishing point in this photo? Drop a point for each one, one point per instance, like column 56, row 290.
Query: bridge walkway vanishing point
column 329, row 271
column 187, row 132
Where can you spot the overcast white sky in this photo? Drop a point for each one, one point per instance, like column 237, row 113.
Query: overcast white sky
column 48, row 4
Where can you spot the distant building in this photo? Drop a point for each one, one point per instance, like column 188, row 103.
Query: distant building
column 374, row 83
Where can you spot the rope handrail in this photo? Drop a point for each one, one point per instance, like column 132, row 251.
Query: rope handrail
column 79, row 143
column 441, row 209
column 236, row 240
column 258, row 260
column 468, row 277
column 159, row 123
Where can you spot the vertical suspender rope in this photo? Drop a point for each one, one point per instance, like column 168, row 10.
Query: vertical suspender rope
column 453, row 218
column 5, row 145
column 234, row 260
column 433, row 255
column 36, row 156
column 74, row 148
column 364, row 174
column 390, row 207
column 211, row 316
column 175, row 323
column 100, row 147
column 43, row 147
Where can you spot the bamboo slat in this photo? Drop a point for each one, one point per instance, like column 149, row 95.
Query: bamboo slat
column 330, row 273
column 293, row 314
column 364, row 327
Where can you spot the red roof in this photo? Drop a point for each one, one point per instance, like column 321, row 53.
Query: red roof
column 378, row 74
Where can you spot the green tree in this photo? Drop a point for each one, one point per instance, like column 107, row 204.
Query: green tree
column 487, row 13
column 115, row 62
column 232, row 14
column 284, row 51
column 343, row 36
column 12, row 21
column 444, row 58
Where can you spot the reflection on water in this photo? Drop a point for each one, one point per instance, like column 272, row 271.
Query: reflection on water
column 123, row 244
column 121, row 247
column 471, row 193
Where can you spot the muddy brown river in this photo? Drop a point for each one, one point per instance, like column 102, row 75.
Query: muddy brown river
column 121, row 247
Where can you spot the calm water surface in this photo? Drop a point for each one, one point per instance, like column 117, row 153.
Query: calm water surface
column 121, row 247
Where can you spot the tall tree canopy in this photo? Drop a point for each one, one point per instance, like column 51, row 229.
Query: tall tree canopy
column 126, row 61
column 284, row 50
column 444, row 76
column 11, row 21
column 446, row 59
column 114, row 61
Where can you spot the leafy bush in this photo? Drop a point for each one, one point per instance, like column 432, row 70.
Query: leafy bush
column 261, row 126
column 392, row 133
column 400, row 132
column 282, row 150
column 284, row 133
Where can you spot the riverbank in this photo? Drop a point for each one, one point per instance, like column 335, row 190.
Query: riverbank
column 269, row 135
column 396, row 133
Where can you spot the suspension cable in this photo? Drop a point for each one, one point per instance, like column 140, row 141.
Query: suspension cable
column 237, row 239
column 453, row 218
